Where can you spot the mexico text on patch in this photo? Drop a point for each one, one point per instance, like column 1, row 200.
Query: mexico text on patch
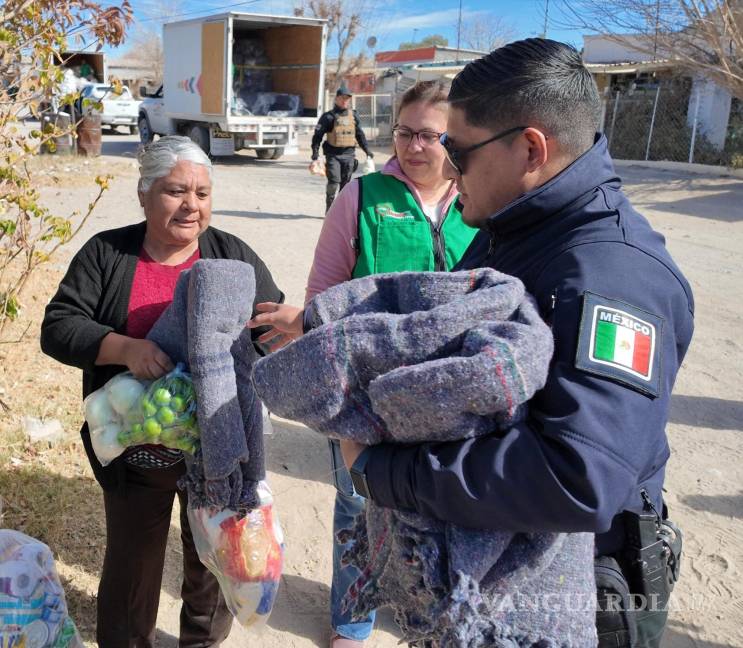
column 621, row 342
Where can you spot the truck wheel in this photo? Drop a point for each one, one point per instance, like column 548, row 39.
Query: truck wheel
column 265, row 154
column 145, row 132
column 277, row 153
column 200, row 135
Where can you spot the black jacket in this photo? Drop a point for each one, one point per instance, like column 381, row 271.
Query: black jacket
column 595, row 435
column 93, row 298
column 325, row 125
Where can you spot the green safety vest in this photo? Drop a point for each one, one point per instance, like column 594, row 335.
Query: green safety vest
column 395, row 235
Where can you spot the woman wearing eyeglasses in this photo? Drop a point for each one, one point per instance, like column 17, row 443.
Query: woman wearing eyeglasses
column 404, row 217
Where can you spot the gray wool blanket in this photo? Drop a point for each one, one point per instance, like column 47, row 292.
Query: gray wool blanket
column 412, row 357
column 204, row 327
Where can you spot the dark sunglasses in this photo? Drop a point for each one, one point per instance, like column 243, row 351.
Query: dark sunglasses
column 456, row 156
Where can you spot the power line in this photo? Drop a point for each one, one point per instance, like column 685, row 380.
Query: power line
column 198, row 11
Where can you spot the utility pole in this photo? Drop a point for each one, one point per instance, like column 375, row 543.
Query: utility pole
column 546, row 17
column 459, row 28
column 655, row 39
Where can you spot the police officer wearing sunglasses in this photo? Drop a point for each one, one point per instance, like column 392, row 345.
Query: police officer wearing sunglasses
column 537, row 180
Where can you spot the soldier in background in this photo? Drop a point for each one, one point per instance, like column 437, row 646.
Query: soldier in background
column 341, row 129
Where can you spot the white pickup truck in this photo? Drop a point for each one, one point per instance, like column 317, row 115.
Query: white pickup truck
column 235, row 81
column 118, row 109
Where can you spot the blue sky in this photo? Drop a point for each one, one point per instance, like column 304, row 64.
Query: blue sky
column 392, row 21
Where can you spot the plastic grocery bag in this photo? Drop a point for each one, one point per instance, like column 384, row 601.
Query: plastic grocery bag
column 33, row 611
column 368, row 167
column 317, row 168
column 245, row 554
column 127, row 412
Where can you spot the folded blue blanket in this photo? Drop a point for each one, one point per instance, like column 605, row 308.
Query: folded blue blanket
column 411, row 357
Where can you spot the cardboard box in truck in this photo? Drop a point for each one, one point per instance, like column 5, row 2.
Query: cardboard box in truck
column 237, row 80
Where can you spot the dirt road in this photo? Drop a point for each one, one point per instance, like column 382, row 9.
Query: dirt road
column 277, row 208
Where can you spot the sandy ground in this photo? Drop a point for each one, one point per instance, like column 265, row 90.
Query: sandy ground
column 277, row 208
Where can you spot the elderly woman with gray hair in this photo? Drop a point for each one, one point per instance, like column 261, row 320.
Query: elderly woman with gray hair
column 115, row 289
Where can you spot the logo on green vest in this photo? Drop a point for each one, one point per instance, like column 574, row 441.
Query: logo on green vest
column 386, row 211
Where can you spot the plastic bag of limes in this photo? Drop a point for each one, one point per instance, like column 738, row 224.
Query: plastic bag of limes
column 127, row 412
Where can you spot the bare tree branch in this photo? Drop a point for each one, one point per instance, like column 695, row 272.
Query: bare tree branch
column 146, row 37
column 10, row 15
column 486, row 33
column 147, row 47
column 704, row 36
column 345, row 21
column 35, row 35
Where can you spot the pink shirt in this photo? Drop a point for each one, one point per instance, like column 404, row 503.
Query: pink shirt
column 335, row 256
column 152, row 291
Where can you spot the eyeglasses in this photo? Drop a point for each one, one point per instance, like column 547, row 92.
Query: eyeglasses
column 456, row 156
column 426, row 138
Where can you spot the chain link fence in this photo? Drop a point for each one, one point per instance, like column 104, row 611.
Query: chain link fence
column 376, row 113
column 662, row 121
column 377, row 116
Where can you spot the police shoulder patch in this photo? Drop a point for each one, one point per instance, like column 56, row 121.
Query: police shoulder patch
column 621, row 342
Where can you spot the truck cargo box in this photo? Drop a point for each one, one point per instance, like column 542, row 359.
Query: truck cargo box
column 95, row 61
column 234, row 68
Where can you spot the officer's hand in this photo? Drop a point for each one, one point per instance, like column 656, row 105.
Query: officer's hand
column 285, row 321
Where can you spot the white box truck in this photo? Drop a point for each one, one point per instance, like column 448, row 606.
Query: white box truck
column 236, row 80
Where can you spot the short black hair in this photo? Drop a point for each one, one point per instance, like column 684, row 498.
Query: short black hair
column 533, row 82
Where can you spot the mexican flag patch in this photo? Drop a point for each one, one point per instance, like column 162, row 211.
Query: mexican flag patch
column 620, row 341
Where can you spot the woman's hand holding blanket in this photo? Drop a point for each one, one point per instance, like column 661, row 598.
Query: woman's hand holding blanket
column 285, row 321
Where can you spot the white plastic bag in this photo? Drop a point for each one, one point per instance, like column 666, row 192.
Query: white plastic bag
column 317, row 168
column 244, row 554
column 267, row 426
column 369, row 166
column 33, row 610
column 127, row 412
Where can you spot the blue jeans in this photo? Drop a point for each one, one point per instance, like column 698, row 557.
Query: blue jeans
column 347, row 506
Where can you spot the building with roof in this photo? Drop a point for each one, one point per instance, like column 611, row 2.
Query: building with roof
column 622, row 64
column 396, row 71
column 422, row 55
column 134, row 73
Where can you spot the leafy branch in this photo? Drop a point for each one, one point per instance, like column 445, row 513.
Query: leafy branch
column 33, row 39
